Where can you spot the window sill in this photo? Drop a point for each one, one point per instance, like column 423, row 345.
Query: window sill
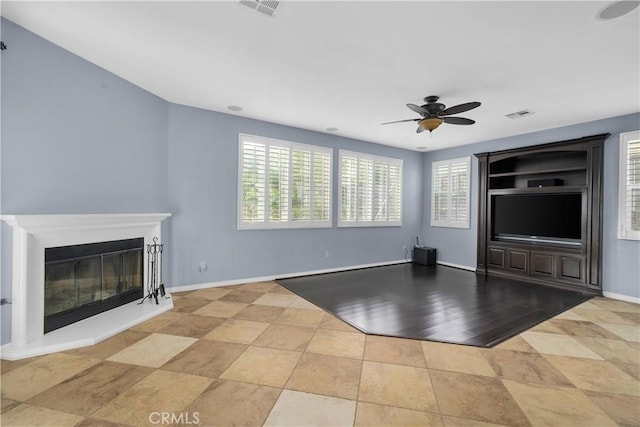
column 286, row 226
column 348, row 224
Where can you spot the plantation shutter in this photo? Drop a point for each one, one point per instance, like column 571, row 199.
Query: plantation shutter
column 380, row 191
column 459, row 207
column 300, row 185
column 450, row 191
column 278, row 184
column 253, row 185
column 630, row 186
column 321, row 195
column 370, row 190
column 440, row 206
column 348, row 187
column 395, row 193
column 365, row 189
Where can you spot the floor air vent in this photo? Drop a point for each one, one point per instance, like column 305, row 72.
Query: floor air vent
column 268, row 7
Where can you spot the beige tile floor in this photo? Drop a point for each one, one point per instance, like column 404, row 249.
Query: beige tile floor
column 256, row 354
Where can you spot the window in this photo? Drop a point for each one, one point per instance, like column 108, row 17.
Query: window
column 450, row 193
column 629, row 208
column 283, row 184
column 370, row 190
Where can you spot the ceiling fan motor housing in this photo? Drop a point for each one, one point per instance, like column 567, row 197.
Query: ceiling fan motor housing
column 434, row 109
column 432, row 106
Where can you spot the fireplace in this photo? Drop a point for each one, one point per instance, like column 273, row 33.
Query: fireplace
column 42, row 265
column 84, row 280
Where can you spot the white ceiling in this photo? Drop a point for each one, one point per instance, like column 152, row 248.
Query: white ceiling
column 353, row 65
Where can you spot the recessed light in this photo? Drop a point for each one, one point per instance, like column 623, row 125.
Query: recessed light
column 617, row 9
column 234, row 108
column 332, row 129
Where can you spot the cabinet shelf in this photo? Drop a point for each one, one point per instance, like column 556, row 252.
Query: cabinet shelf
column 571, row 250
column 538, row 190
column 568, row 177
column 537, row 172
column 538, row 162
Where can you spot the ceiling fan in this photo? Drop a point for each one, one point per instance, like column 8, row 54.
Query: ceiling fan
column 434, row 114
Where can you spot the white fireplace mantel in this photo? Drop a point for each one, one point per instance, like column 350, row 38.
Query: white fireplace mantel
column 31, row 235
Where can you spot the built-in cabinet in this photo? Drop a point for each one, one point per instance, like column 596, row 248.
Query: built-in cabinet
column 541, row 264
column 566, row 167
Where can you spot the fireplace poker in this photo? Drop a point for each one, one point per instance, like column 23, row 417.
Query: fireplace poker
column 154, row 268
column 162, row 291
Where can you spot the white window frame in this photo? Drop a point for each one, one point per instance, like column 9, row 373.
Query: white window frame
column 447, row 164
column 624, row 227
column 388, row 161
column 265, row 224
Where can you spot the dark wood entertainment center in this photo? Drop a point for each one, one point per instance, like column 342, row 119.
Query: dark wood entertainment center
column 565, row 168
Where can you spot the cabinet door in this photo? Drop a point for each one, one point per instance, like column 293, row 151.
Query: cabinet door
column 496, row 257
column 518, row 261
column 542, row 264
column 571, row 269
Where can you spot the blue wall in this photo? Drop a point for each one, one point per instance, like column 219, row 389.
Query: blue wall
column 203, row 181
column 621, row 269
column 78, row 139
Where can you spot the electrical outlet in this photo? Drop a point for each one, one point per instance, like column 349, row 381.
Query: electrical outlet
column 404, row 247
column 326, row 254
column 203, row 266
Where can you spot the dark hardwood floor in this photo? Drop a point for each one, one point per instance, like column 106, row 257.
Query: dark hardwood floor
column 433, row 303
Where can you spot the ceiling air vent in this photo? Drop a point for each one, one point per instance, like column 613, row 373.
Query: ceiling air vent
column 519, row 114
column 268, row 7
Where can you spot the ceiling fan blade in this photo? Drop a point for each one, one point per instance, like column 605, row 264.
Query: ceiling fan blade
column 460, row 108
column 458, row 120
column 420, row 129
column 418, row 109
column 400, row 121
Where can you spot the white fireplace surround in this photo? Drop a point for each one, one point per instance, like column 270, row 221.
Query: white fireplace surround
column 31, row 235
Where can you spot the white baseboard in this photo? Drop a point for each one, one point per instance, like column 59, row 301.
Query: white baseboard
column 198, row 286
column 278, row 276
column 621, row 297
column 460, row 266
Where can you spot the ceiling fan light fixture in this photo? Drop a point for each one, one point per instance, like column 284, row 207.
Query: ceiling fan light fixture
column 430, row 123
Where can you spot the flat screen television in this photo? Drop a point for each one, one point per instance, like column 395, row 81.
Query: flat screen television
column 554, row 218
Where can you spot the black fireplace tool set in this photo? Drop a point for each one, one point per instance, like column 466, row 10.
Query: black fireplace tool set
column 155, row 285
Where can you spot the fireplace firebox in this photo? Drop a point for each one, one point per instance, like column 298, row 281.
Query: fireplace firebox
column 84, row 280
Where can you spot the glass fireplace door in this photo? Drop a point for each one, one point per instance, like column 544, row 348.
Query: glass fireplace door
column 77, row 287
